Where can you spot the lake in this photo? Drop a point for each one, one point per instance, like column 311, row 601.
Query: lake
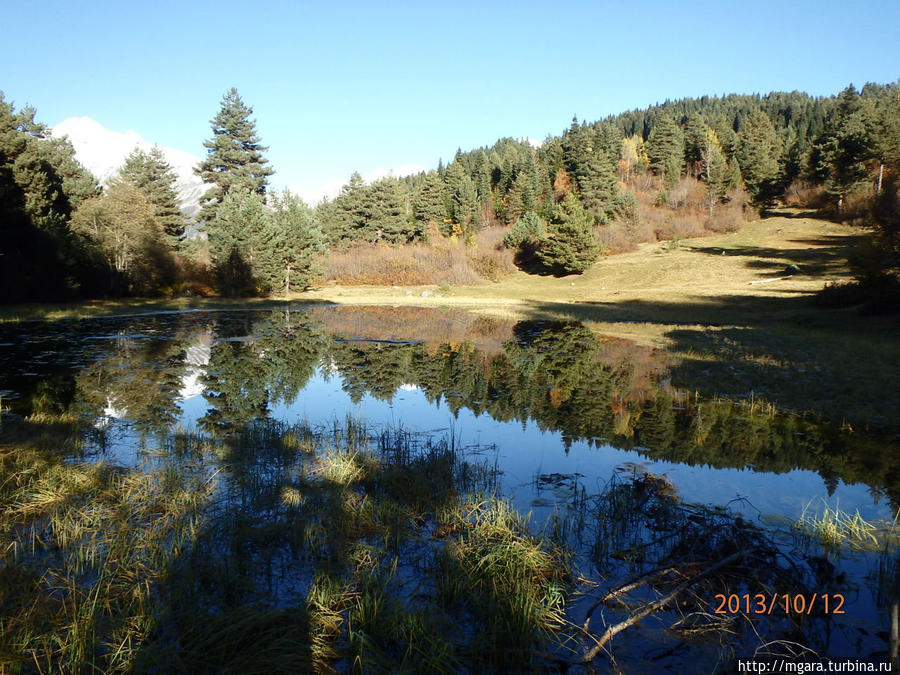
column 564, row 424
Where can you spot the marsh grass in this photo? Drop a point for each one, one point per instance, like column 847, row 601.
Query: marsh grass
column 835, row 528
column 292, row 548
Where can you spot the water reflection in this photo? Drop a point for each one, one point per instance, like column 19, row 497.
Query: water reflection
column 139, row 376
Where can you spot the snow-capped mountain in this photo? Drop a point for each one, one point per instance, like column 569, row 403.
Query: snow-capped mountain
column 103, row 151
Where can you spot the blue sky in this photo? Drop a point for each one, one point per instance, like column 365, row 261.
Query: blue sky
column 338, row 87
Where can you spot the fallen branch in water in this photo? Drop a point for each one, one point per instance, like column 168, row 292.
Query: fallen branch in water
column 654, row 606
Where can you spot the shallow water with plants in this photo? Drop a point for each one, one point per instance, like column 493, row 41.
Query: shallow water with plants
column 375, row 489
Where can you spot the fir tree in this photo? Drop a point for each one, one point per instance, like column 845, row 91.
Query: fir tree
column 758, row 155
column 430, row 205
column 695, row 140
column 665, row 149
column 239, row 242
column 846, row 146
column 296, row 241
column 463, row 200
column 598, row 185
column 41, row 185
column 234, row 158
column 155, row 178
column 387, row 219
column 571, row 247
column 714, row 170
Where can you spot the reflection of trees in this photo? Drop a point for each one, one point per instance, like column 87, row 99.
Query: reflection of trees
column 374, row 368
column 256, row 363
column 558, row 375
column 561, row 376
column 134, row 376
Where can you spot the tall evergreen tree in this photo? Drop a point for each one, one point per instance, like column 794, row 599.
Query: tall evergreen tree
column 695, row 140
column 665, row 148
column 155, row 178
column 885, row 135
column 234, row 159
column 347, row 215
column 430, row 205
column 41, row 185
column 758, row 155
column 845, row 146
column 296, row 241
column 571, row 247
column 463, row 200
column 714, row 170
column 598, row 185
column 240, row 246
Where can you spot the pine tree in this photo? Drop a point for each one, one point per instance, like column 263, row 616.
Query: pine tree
column 463, row 199
column 758, row 155
column 296, row 241
column 571, row 247
column 41, row 185
column 239, row 242
column 846, row 145
column 155, row 178
column 714, row 170
column 695, row 140
column 521, row 198
column 430, row 205
column 665, row 148
column 598, row 185
column 234, row 158
column 885, row 136
column 345, row 216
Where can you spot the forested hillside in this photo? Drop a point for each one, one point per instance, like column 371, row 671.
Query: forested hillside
column 671, row 170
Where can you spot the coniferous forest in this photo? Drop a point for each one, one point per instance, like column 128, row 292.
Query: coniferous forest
column 677, row 169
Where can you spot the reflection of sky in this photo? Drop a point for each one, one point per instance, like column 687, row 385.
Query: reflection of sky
column 525, row 452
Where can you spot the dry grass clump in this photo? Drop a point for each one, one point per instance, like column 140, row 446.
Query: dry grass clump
column 443, row 261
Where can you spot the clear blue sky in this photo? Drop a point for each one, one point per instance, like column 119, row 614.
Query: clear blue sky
column 338, row 87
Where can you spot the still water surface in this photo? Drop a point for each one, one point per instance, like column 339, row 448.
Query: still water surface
column 556, row 408
column 545, row 398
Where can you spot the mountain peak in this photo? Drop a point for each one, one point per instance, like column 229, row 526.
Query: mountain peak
column 102, row 151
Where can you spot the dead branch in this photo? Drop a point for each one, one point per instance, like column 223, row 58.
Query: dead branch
column 767, row 281
column 654, row 606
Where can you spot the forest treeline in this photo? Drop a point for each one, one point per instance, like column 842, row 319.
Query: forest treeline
column 674, row 169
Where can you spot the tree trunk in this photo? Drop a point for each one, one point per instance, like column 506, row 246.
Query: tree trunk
column 880, row 176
